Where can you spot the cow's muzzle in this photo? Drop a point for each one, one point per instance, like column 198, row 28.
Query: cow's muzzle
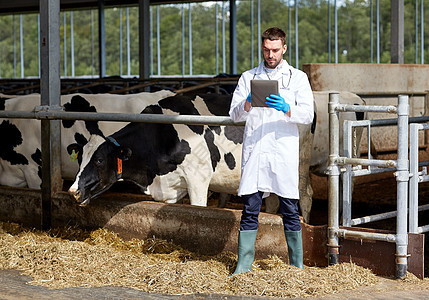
column 77, row 195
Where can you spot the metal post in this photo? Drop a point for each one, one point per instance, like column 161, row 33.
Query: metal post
column 50, row 88
column 289, row 29
column 232, row 37
column 120, row 42
column 422, row 33
column 65, row 42
column 72, row 44
column 296, row 36
column 251, row 34
column 223, row 39
column 217, row 38
column 101, row 39
column 38, row 40
column 329, row 31
column 144, row 42
column 334, row 179
column 416, row 29
column 150, row 40
column 378, row 31
column 21, row 45
column 402, row 177
column 397, row 31
column 336, row 30
column 14, row 46
column 128, row 43
column 414, row 179
column 347, row 176
column 190, row 37
column 92, row 43
column 183, row 39
column 158, row 41
column 259, row 31
column 372, row 31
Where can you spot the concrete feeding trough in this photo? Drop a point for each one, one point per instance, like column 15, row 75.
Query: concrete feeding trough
column 207, row 230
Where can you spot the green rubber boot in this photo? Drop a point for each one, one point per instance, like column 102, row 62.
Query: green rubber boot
column 246, row 250
column 294, row 246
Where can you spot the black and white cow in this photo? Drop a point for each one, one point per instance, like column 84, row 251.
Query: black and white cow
column 20, row 156
column 20, row 150
column 170, row 161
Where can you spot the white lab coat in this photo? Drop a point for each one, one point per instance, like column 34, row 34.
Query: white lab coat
column 270, row 158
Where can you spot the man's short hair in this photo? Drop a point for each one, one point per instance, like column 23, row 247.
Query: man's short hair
column 273, row 34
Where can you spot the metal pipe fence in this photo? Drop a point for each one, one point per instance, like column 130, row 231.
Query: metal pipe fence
column 374, row 166
column 49, row 113
column 416, row 177
column 334, row 173
column 400, row 165
column 50, row 130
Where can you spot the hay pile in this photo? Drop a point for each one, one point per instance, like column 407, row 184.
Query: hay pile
column 411, row 282
column 74, row 258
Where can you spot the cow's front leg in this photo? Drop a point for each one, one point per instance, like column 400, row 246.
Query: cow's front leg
column 198, row 193
column 198, row 186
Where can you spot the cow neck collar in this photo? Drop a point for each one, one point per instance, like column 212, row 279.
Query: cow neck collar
column 113, row 141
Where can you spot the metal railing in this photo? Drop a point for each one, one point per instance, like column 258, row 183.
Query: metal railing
column 400, row 165
column 56, row 113
column 51, row 164
column 377, row 166
column 416, row 177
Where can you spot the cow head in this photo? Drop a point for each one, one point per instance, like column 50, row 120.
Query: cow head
column 101, row 167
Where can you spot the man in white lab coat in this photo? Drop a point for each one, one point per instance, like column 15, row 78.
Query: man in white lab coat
column 270, row 159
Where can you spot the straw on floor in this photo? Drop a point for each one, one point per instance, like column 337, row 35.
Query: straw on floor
column 71, row 257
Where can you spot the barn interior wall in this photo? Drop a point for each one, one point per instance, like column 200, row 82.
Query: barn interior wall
column 377, row 84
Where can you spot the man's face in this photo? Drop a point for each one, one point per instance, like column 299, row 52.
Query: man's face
column 273, row 52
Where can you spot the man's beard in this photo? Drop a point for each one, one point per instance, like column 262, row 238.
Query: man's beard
column 274, row 66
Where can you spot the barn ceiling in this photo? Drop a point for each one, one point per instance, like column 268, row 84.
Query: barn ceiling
column 31, row 6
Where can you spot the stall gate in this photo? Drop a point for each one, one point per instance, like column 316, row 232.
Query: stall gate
column 416, row 177
column 352, row 166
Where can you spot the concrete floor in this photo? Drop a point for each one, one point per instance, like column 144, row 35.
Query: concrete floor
column 14, row 286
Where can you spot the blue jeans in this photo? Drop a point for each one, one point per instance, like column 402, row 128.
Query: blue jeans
column 252, row 207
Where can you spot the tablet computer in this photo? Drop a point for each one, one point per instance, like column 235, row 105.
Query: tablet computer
column 261, row 89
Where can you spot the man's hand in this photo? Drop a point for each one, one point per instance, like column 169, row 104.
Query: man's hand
column 277, row 102
column 248, row 105
column 249, row 98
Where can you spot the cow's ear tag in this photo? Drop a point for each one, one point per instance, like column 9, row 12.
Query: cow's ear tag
column 73, row 156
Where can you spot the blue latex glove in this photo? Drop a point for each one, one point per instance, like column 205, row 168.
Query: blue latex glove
column 277, row 102
column 249, row 98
